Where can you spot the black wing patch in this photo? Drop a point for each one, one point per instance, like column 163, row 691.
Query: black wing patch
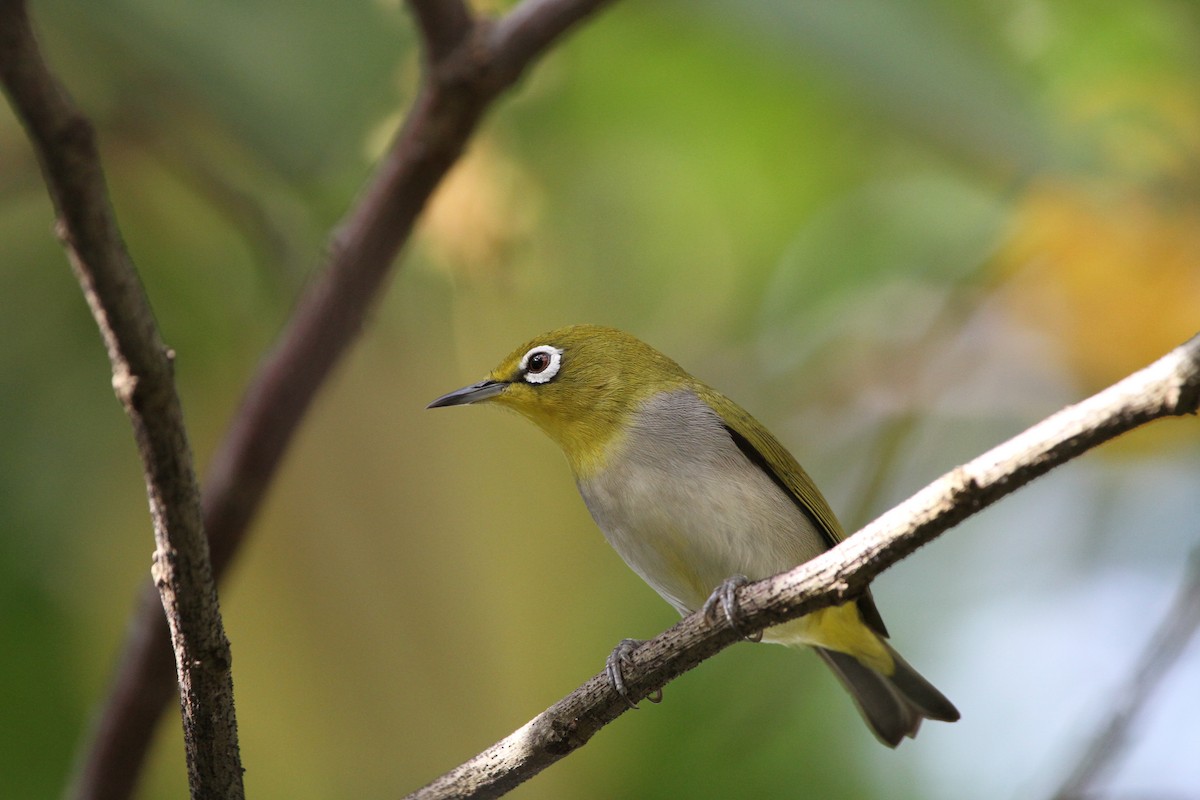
column 866, row 605
column 760, row 461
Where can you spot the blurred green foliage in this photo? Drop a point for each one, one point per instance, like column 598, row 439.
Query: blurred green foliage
column 898, row 232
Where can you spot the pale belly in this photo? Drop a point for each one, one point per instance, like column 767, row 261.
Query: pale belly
column 687, row 512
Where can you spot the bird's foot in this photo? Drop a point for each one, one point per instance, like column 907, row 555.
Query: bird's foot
column 620, row 656
column 725, row 597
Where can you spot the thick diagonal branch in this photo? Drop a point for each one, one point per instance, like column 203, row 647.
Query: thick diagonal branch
column 144, row 382
column 469, row 63
column 1168, row 387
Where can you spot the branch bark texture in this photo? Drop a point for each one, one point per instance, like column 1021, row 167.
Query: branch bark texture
column 470, row 61
column 143, row 380
column 1168, row 387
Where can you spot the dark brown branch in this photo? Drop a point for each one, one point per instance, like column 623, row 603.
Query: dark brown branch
column 467, row 70
column 143, row 380
column 443, row 23
column 1169, row 387
column 1169, row 642
column 533, row 26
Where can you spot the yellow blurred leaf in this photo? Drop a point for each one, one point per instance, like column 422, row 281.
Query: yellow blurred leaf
column 485, row 210
column 1110, row 266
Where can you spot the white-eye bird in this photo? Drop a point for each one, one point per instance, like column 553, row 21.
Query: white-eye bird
column 697, row 496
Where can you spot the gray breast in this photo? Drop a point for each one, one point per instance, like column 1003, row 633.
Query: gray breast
column 686, row 509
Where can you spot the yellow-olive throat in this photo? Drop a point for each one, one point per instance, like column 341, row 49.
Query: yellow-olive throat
column 697, row 497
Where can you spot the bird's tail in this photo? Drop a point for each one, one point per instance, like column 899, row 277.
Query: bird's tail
column 892, row 705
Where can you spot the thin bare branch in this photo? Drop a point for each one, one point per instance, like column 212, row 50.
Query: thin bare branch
column 1178, row 628
column 456, row 92
column 1168, row 387
column 533, row 26
column 143, row 380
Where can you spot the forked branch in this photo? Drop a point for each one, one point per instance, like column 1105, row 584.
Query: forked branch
column 469, row 63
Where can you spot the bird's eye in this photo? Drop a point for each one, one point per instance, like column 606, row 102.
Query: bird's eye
column 541, row 363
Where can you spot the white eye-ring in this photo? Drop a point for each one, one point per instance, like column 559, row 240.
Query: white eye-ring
column 541, row 363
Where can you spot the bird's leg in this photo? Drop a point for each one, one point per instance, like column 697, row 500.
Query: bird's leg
column 725, row 596
column 622, row 654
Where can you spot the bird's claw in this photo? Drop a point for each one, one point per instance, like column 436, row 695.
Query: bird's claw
column 622, row 655
column 725, row 596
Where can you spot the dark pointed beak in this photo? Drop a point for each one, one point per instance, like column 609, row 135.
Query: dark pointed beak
column 470, row 394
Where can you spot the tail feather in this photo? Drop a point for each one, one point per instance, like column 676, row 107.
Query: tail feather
column 892, row 705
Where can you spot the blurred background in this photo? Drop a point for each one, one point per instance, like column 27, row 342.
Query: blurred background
column 897, row 231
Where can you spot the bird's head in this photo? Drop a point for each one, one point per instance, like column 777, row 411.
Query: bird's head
column 580, row 384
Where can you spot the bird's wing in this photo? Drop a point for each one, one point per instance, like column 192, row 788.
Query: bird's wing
column 765, row 452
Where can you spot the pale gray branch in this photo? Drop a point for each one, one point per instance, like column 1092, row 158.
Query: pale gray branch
column 1168, row 387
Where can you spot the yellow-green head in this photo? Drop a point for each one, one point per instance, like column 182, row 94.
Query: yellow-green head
column 579, row 384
